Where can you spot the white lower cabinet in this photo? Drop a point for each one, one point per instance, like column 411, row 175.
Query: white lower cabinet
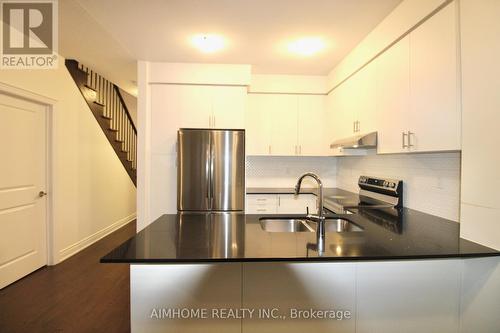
column 262, row 204
column 280, row 204
column 291, row 204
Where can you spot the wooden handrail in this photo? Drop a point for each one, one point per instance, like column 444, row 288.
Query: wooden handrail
column 109, row 109
column 117, row 89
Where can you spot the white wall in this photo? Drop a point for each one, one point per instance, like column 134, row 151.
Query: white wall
column 280, row 171
column 92, row 194
column 431, row 181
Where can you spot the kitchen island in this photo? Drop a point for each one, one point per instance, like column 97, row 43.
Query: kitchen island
column 226, row 273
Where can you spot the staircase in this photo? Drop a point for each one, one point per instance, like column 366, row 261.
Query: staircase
column 106, row 103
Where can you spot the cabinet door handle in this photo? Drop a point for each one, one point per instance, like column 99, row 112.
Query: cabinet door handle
column 404, row 145
column 409, row 139
column 213, row 117
column 300, row 150
column 359, row 126
column 279, row 200
column 295, row 149
column 269, row 149
column 354, row 127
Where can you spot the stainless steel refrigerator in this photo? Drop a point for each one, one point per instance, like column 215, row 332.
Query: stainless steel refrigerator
column 211, row 170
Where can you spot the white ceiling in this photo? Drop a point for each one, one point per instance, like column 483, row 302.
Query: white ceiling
column 112, row 34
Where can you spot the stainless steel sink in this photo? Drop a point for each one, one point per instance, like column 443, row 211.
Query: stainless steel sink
column 302, row 225
column 285, row 225
column 337, row 225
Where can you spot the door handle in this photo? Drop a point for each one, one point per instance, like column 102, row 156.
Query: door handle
column 211, row 175
column 41, row 194
column 409, row 139
column 404, row 145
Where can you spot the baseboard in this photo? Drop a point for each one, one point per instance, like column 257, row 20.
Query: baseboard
column 87, row 241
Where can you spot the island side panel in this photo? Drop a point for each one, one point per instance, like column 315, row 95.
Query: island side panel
column 480, row 298
column 300, row 286
column 408, row 296
column 188, row 286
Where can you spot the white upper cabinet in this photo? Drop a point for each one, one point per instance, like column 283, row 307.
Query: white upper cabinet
column 408, row 94
column 366, row 99
column 311, row 126
column 351, row 108
column 286, row 125
column 258, row 126
column 282, row 115
column 228, row 106
column 393, row 97
column 435, row 120
column 207, row 106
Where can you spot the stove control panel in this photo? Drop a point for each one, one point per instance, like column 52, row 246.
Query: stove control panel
column 392, row 187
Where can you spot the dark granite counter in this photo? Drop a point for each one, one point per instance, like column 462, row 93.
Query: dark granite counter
column 233, row 237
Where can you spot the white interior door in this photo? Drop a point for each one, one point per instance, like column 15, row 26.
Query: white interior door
column 23, row 231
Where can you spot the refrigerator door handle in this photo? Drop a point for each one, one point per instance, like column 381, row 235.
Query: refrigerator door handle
column 211, row 172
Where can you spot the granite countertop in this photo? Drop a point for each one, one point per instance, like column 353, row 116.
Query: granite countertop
column 236, row 237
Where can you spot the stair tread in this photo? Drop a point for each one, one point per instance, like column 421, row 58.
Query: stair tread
column 89, row 87
column 92, row 95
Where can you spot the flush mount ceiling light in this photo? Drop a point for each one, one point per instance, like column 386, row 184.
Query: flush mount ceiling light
column 307, row 46
column 208, row 43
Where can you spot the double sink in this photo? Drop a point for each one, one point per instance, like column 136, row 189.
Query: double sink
column 280, row 224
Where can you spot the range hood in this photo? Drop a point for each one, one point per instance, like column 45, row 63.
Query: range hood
column 363, row 141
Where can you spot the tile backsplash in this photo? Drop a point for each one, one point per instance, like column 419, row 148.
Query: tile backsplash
column 281, row 171
column 431, row 181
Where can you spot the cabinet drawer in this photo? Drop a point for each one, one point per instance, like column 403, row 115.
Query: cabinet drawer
column 262, row 204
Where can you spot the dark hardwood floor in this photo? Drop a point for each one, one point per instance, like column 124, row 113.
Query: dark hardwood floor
column 77, row 295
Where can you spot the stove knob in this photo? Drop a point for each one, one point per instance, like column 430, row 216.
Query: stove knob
column 386, row 183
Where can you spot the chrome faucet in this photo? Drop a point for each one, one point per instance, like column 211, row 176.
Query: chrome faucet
column 319, row 217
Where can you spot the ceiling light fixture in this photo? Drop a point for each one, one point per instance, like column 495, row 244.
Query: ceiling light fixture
column 307, row 46
column 208, row 43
